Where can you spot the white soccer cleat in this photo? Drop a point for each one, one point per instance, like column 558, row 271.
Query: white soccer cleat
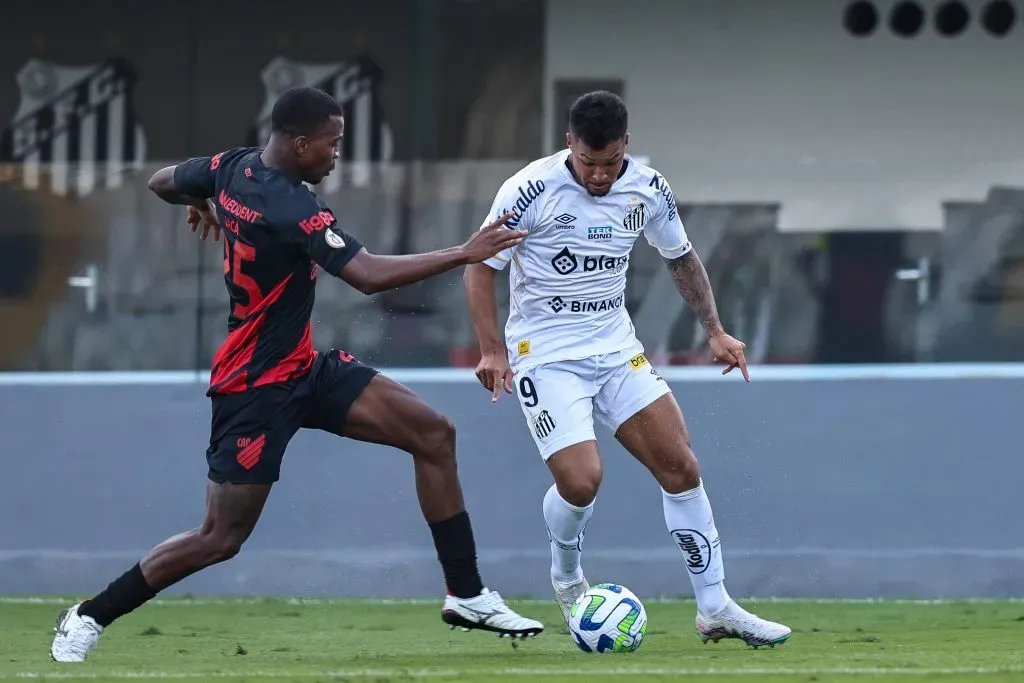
column 568, row 593
column 488, row 612
column 75, row 637
column 735, row 622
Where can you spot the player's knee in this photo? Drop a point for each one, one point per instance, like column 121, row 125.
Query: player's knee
column 221, row 545
column 581, row 488
column 435, row 440
column 680, row 472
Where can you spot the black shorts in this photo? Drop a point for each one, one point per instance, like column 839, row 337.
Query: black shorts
column 251, row 429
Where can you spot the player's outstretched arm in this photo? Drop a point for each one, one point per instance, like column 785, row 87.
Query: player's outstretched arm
column 691, row 279
column 493, row 371
column 372, row 273
column 163, row 186
column 190, row 184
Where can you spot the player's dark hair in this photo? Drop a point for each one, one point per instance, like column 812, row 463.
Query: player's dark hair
column 599, row 118
column 302, row 110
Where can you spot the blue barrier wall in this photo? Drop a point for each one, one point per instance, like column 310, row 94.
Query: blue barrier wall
column 905, row 488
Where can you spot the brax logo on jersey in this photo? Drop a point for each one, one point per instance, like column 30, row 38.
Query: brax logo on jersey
column 565, row 262
column 558, row 304
column 603, row 233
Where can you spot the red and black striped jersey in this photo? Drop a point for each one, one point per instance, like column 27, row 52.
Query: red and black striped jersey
column 277, row 233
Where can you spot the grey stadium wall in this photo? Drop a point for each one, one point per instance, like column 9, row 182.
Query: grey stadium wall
column 895, row 485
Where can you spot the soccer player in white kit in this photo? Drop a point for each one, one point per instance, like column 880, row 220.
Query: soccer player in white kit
column 570, row 349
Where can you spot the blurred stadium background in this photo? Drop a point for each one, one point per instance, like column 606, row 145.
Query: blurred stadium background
column 852, row 172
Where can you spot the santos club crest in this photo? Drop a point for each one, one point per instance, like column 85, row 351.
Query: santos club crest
column 636, row 217
column 76, row 126
column 355, row 84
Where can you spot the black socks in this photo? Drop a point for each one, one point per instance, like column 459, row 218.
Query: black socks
column 456, row 549
column 124, row 594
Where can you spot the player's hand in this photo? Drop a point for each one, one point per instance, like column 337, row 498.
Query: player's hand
column 494, row 372
column 730, row 351
column 207, row 217
column 492, row 239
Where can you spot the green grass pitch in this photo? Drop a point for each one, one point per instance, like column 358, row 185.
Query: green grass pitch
column 231, row 641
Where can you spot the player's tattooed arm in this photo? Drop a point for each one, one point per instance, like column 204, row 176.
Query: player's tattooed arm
column 691, row 279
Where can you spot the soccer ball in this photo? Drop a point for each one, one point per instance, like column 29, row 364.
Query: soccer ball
column 608, row 618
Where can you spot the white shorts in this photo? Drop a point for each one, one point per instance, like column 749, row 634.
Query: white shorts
column 559, row 399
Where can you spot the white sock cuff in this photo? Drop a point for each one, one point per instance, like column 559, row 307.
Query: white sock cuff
column 685, row 495
column 553, row 492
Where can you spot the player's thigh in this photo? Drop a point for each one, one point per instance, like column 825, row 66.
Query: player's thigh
column 639, row 408
column 359, row 403
column 336, row 384
column 627, row 385
column 557, row 402
column 232, row 510
column 250, row 432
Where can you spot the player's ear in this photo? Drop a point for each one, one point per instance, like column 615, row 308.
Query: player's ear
column 300, row 144
column 625, row 142
column 568, row 140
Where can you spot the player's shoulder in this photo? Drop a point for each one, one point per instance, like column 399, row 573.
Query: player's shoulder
column 647, row 179
column 649, row 182
column 289, row 203
column 539, row 175
column 230, row 158
column 531, row 186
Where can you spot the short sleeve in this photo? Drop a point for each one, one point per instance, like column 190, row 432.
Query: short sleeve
column 517, row 197
column 197, row 176
column 314, row 228
column 665, row 231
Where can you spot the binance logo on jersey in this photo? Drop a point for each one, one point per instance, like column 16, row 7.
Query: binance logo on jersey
column 558, row 304
column 603, row 233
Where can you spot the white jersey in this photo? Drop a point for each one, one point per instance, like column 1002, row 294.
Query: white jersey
column 568, row 275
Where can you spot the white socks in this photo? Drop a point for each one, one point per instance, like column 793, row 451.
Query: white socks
column 566, row 524
column 689, row 520
column 692, row 526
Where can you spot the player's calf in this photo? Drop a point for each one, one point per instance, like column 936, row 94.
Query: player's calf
column 231, row 515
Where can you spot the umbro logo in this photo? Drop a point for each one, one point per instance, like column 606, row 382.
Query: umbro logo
column 565, row 222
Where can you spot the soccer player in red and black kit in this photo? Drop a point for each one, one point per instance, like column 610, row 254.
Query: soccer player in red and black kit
column 268, row 381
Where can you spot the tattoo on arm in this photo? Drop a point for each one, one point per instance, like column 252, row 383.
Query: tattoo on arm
column 692, row 282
